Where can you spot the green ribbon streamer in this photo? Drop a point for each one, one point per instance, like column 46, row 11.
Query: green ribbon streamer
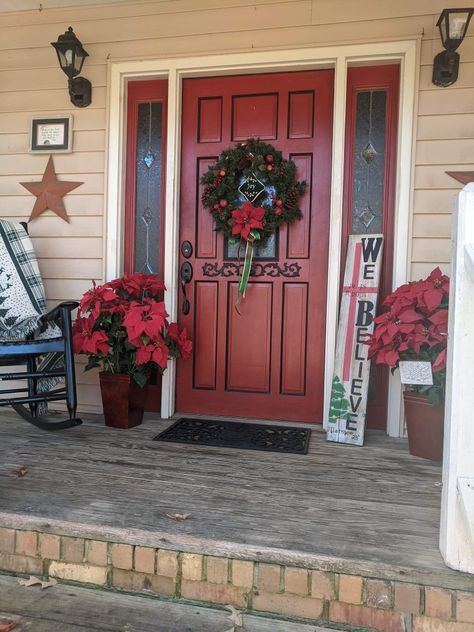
column 247, row 263
column 247, row 267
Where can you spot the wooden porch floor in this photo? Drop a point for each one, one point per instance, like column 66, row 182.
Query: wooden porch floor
column 371, row 510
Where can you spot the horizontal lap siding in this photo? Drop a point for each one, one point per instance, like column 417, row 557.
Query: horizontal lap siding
column 445, row 142
column 32, row 84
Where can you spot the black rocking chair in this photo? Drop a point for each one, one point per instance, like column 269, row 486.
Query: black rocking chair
column 38, row 357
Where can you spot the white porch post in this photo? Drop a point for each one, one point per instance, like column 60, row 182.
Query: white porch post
column 457, row 510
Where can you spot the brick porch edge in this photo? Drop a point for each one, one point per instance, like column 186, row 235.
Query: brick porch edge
column 323, row 596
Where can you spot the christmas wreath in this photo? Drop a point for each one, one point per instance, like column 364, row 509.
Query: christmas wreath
column 251, row 190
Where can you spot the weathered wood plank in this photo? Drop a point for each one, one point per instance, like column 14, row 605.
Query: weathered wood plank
column 373, row 510
column 76, row 609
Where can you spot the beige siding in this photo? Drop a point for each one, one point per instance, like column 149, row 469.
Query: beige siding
column 32, row 84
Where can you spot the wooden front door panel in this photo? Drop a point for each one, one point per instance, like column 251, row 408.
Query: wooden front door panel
column 268, row 361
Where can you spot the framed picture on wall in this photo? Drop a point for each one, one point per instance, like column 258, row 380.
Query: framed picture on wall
column 51, row 135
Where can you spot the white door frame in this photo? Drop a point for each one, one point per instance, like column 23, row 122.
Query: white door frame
column 175, row 70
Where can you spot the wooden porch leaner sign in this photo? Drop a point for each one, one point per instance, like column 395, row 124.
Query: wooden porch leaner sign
column 346, row 422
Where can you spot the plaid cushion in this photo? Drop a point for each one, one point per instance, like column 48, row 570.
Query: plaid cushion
column 22, row 297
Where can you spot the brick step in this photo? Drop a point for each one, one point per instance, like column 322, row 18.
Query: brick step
column 325, row 595
column 66, row 608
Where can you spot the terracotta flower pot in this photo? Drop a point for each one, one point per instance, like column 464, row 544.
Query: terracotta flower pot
column 425, row 424
column 123, row 400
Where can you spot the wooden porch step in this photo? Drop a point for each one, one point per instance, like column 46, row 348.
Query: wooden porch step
column 65, row 608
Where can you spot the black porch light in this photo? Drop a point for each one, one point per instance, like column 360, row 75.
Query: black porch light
column 452, row 25
column 71, row 56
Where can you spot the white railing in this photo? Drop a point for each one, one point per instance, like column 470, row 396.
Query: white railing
column 457, row 507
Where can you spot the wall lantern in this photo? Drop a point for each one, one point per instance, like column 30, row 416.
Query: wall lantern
column 71, row 56
column 452, row 25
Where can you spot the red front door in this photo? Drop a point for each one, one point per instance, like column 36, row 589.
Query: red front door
column 268, row 361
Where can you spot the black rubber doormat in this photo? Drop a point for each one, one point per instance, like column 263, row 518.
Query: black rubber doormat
column 232, row 434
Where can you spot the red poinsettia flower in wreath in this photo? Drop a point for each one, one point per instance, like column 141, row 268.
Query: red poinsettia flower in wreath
column 246, row 219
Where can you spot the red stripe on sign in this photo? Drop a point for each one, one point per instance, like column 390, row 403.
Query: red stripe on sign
column 353, row 290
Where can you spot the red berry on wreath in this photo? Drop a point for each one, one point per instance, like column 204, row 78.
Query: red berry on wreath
column 216, row 207
column 223, row 203
column 269, row 167
column 278, row 211
column 278, row 203
column 222, row 173
column 269, row 158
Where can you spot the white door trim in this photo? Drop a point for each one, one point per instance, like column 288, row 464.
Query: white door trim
column 175, row 69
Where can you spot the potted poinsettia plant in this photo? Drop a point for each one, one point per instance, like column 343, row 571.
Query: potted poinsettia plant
column 122, row 327
column 413, row 326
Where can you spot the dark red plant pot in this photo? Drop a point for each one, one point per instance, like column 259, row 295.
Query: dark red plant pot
column 425, row 425
column 123, row 400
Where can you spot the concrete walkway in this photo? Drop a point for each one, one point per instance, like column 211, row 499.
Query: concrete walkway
column 63, row 608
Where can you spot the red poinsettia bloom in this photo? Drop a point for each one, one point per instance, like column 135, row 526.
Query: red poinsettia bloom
column 440, row 363
column 155, row 350
column 438, row 288
column 139, row 285
column 86, row 340
column 94, row 299
column 119, row 306
column 146, row 318
column 415, row 327
column 181, row 340
column 246, row 219
column 123, row 328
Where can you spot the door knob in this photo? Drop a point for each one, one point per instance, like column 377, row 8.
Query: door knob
column 186, row 274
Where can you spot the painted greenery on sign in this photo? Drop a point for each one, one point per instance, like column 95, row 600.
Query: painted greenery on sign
column 339, row 406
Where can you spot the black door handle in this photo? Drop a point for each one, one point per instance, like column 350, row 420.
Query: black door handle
column 186, row 274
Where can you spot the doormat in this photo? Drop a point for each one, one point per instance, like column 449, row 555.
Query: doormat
column 232, row 434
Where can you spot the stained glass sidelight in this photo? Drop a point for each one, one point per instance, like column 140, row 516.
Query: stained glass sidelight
column 369, row 172
column 369, row 162
column 148, row 188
